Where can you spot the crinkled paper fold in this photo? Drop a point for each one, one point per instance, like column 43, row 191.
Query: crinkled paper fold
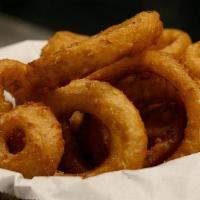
column 177, row 179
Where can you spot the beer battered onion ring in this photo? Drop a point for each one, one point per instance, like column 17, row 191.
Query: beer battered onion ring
column 39, row 140
column 15, row 70
column 165, row 66
column 31, row 139
column 161, row 110
column 192, row 60
column 162, row 113
column 173, row 41
column 128, row 141
column 85, row 57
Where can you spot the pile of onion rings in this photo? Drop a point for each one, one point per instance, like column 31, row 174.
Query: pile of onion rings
column 125, row 98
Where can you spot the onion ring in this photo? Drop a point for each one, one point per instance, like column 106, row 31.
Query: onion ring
column 42, row 144
column 145, row 27
column 128, row 139
column 129, row 37
column 87, row 55
column 168, row 68
column 15, row 70
column 25, row 146
column 173, row 41
column 161, row 110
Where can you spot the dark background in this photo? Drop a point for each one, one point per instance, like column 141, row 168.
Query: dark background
column 91, row 16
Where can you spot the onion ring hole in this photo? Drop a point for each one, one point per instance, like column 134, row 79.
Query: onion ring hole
column 15, row 141
column 161, row 109
column 89, row 142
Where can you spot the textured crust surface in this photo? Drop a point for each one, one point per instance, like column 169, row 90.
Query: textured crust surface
column 129, row 37
column 127, row 133
column 168, row 68
column 43, row 141
column 174, row 42
column 84, row 57
column 192, row 60
column 161, row 110
column 13, row 77
column 62, row 40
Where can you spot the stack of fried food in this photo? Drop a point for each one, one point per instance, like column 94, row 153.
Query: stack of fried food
column 125, row 98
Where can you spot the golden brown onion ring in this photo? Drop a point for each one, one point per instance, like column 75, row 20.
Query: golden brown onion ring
column 61, row 41
column 173, row 41
column 15, row 70
column 127, row 38
column 31, row 140
column 161, row 110
column 162, row 113
column 168, row 68
column 40, row 144
column 131, row 36
column 127, row 139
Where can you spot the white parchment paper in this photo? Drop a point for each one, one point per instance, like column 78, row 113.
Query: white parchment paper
column 174, row 180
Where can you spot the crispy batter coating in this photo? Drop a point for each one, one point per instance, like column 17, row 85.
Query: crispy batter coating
column 174, row 42
column 191, row 60
column 129, row 37
column 165, row 66
column 31, row 139
column 62, row 40
column 161, row 110
column 114, row 136
column 41, row 140
column 13, row 77
column 127, row 134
